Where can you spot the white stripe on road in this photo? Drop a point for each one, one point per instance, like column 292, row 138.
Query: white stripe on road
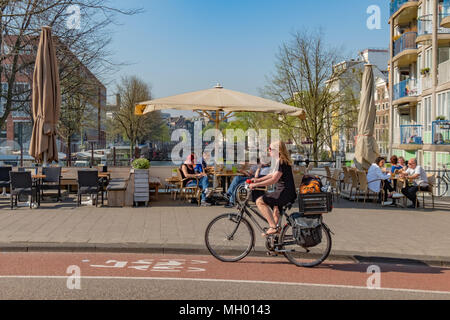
column 233, row 281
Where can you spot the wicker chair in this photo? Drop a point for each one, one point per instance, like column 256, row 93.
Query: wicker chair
column 21, row 184
column 189, row 193
column 88, row 184
column 52, row 181
column 429, row 191
column 354, row 183
column 364, row 187
column 345, row 189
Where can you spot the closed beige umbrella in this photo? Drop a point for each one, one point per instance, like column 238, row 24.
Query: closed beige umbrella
column 366, row 146
column 46, row 101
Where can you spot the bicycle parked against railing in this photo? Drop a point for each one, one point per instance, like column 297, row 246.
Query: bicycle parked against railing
column 442, row 182
column 230, row 237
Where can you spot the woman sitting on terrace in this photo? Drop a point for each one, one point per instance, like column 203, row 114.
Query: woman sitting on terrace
column 188, row 171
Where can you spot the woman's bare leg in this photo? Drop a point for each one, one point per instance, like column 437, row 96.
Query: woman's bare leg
column 276, row 215
column 266, row 212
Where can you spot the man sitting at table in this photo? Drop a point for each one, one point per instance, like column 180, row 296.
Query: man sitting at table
column 255, row 171
column 419, row 179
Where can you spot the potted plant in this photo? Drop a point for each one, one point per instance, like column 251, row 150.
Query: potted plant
column 425, row 71
column 141, row 180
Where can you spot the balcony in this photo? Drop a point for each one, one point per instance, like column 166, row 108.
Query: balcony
column 445, row 9
column 406, row 89
column 397, row 4
column 444, row 72
column 411, row 134
column 406, row 42
column 425, row 26
column 441, row 132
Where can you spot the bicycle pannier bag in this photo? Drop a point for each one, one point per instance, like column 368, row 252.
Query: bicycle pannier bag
column 306, row 231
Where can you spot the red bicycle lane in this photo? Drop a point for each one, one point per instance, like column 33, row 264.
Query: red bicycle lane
column 206, row 268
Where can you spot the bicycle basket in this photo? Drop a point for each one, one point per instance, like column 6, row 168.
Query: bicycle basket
column 307, row 231
column 315, row 203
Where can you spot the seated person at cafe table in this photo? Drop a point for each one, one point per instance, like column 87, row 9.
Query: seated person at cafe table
column 377, row 174
column 418, row 181
column 247, row 173
column 188, row 171
column 256, row 171
column 396, row 165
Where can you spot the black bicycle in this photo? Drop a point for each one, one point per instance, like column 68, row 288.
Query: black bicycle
column 442, row 182
column 230, row 237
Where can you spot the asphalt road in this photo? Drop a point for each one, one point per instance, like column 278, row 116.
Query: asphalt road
column 113, row 276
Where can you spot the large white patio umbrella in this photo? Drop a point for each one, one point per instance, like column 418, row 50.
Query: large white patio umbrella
column 218, row 100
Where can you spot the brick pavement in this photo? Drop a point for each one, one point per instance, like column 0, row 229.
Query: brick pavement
column 171, row 226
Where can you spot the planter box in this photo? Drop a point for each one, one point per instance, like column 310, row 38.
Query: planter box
column 141, row 186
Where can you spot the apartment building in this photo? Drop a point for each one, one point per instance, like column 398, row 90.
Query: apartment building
column 383, row 114
column 419, row 81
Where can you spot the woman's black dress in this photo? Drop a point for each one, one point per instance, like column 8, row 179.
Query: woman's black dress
column 284, row 190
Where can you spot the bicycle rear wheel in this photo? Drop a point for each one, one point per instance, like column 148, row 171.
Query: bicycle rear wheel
column 441, row 187
column 306, row 257
column 229, row 238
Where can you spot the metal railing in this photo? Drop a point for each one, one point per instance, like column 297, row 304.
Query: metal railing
column 405, row 42
column 425, row 24
column 406, row 88
column 396, row 5
column 411, row 134
column 441, row 132
column 427, row 82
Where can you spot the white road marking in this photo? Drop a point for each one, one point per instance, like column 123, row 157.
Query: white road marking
column 234, row 281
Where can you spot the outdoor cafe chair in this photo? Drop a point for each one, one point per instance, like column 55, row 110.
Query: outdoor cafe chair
column 5, row 180
column 88, row 184
column 189, row 193
column 429, row 191
column 21, row 184
column 52, row 180
column 364, row 187
column 354, row 184
column 328, row 171
column 334, row 182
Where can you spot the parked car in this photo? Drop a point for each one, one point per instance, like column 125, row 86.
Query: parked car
column 82, row 164
column 297, row 157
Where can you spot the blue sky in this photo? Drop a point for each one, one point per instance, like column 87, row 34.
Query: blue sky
column 184, row 45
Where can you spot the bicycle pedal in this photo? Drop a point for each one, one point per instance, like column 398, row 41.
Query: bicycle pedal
column 272, row 254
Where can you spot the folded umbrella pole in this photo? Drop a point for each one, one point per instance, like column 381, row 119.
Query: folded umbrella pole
column 46, row 101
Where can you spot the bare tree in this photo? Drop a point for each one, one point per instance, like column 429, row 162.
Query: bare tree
column 136, row 128
column 304, row 69
column 82, row 35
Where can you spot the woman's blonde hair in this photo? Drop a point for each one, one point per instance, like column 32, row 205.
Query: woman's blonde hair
column 285, row 158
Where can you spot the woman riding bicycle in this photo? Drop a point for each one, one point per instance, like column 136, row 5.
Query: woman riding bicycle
column 269, row 205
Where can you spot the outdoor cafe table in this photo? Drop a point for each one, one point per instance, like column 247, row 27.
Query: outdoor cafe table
column 227, row 176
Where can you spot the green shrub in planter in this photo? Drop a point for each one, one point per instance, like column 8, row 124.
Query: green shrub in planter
column 141, row 164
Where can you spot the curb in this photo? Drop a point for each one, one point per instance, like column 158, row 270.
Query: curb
column 166, row 249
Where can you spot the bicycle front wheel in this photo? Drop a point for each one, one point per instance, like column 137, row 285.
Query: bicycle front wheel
column 306, row 257
column 229, row 238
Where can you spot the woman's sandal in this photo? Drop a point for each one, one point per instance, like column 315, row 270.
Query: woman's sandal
column 268, row 233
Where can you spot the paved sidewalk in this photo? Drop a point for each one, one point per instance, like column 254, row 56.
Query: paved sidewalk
column 172, row 226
